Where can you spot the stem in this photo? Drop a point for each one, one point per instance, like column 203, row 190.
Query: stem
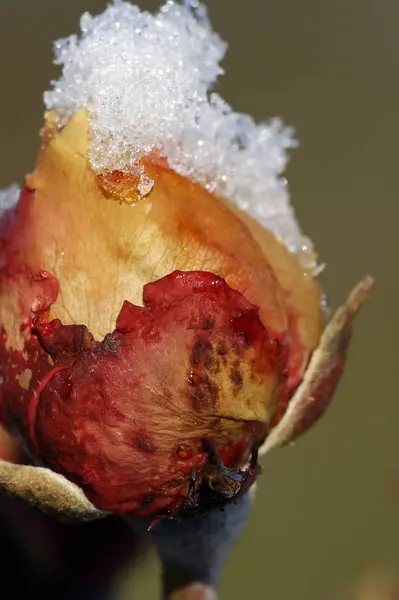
column 193, row 551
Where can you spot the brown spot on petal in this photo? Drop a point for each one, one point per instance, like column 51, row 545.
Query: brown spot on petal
column 144, row 442
column 222, row 347
column 147, row 500
column 110, row 345
column 208, row 324
column 203, row 392
column 236, row 378
column 201, row 350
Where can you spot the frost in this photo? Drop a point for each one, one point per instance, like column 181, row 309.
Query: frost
column 9, row 198
column 146, row 81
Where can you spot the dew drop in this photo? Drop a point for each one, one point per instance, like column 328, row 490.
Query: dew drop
column 184, row 451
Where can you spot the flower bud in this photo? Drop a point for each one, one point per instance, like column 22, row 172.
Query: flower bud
column 129, row 336
column 144, row 316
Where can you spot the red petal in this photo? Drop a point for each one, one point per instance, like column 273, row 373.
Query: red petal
column 195, row 362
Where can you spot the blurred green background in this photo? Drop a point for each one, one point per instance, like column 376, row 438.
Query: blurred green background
column 328, row 508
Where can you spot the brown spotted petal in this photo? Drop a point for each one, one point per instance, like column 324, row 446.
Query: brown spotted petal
column 125, row 419
column 323, row 374
column 47, row 490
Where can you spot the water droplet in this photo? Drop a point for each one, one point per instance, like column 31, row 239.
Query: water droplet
column 184, row 451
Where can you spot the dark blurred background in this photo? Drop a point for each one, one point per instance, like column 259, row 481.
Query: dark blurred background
column 328, row 508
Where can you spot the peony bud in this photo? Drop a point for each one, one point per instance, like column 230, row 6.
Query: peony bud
column 146, row 318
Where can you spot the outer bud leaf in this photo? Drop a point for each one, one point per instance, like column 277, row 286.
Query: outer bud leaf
column 322, row 376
